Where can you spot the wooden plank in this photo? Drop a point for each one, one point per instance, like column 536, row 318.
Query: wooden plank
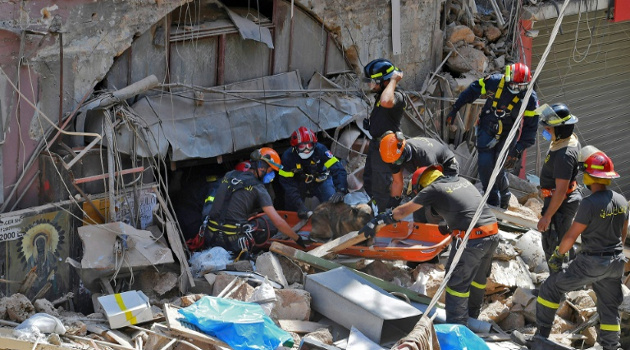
column 301, row 327
column 109, row 334
column 179, row 326
column 347, row 240
column 514, row 218
column 326, row 265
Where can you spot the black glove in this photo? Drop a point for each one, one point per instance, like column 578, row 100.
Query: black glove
column 444, row 229
column 337, row 197
column 369, row 230
column 393, row 202
column 366, row 124
column 303, row 213
column 300, row 242
column 513, row 157
column 450, row 117
column 556, row 260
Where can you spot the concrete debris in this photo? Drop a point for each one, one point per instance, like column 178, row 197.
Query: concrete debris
column 495, row 312
column 509, row 274
column 530, row 246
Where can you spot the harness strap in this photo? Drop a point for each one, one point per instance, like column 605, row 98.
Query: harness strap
column 548, row 192
column 479, row 232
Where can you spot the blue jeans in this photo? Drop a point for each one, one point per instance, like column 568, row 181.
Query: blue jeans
column 487, row 159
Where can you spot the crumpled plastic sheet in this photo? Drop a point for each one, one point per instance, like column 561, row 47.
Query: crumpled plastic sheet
column 422, row 337
column 34, row 327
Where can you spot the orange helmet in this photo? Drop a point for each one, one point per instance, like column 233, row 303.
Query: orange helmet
column 267, row 155
column 599, row 165
column 392, row 146
column 424, row 176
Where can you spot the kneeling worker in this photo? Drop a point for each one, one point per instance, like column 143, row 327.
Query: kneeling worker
column 456, row 200
column 238, row 197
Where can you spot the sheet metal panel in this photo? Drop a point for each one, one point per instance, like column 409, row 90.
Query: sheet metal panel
column 589, row 72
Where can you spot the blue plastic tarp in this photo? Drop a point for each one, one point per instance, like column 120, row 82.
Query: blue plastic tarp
column 458, row 337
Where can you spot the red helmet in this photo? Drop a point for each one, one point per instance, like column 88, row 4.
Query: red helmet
column 303, row 135
column 517, row 77
column 417, row 182
column 600, row 166
column 243, row 166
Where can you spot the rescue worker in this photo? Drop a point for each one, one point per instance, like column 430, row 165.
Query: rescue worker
column 410, row 154
column 456, row 200
column 558, row 183
column 239, row 196
column 504, row 94
column 310, row 169
column 602, row 222
column 382, row 78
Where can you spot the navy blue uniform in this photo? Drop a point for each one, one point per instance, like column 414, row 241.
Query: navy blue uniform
column 495, row 122
column 321, row 175
column 377, row 176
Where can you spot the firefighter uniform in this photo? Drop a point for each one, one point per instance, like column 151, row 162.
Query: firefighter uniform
column 239, row 195
column 321, row 175
column 600, row 263
column 377, row 175
column 561, row 162
column 456, row 200
column 495, row 122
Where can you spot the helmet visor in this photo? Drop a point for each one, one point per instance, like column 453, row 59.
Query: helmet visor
column 517, row 86
column 549, row 117
column 305, row 147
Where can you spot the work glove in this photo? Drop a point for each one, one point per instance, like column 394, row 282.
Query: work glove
column 369, row 230
column 303, row 213
column 444, row 229
column 556, row 260
column 513, row 157
column 394, row 202
column 300, row 242
column 450, row 117
column 337, row 197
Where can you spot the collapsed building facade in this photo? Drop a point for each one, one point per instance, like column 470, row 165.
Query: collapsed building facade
column 121, row 111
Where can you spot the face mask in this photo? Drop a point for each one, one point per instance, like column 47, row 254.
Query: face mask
column 546, row 135
column 304, row 155
column 269, row 177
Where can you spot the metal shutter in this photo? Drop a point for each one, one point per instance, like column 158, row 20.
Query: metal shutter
column 591, row 74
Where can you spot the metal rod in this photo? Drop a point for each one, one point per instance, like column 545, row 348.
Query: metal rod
column 60, row 78
column 103, row 176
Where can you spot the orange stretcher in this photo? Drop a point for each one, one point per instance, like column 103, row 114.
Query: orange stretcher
column 409, row 241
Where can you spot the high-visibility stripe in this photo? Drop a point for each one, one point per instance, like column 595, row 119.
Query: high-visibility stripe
column 209, row 199
column 457, row 294
column 547, row 303
column 128, row 314
column 478, row 285
column 497, row 95
column 482, row 83
column 284, row 173
column 558, row 121
column 330, row 162
column 610, row 327
column 529, row 113
column 598, row 167
column 500, row 127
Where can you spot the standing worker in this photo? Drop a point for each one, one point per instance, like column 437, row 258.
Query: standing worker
column 382, row 77
column 239, row 196
column 503, row 94
column 310, row 169
column 558, row 183
column 602, row 222
column 411, row 154
column 456, row 200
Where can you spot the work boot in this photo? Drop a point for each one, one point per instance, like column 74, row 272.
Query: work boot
column 541, row 343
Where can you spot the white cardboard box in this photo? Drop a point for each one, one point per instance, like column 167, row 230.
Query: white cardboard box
column 126, row 308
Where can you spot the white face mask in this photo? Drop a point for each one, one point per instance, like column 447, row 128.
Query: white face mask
column 304, row 155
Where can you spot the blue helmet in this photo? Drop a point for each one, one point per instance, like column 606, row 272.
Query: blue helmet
column 380, row 70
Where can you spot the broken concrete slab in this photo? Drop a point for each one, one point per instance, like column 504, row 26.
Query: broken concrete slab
column 530, row 246
column 509, row 274
column 293, row 304
column 267, row 264
column 495, row 311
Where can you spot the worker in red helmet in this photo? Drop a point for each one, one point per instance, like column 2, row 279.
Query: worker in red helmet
column 602, row 223
column 456, row 200
column 382, row 78
column 504, row 95
column 558, row 175
column 240, row 195
column 311, row 170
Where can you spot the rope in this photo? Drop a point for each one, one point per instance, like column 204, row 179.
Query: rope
column 498, row 165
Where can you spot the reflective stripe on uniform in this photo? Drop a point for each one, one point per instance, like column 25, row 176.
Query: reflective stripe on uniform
column 610, row 327
column 209, row 199
column 482, row 83
column 478, row 285
column 497, row 94
column 330, row 162
column 285, row 173
column 528, row 113
column 457, row 294
column 547, row 303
